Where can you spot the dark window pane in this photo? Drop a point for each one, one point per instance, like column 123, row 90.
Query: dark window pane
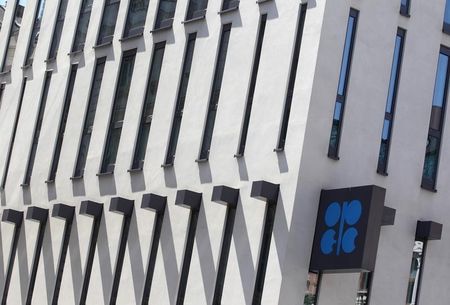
column 108, row 22
column 37, row 129
column 82, row 26
column 118, row 112
column 362, row 296
column 179, row 106
column 255, row 68
column 415, row 272
column 390, row 103
column 13, row 35
column 58, row 28
column 197, row 8
column 214, row 99
column 62, row 124
column 333, row 147
column 147, row 112
column 166, row 11
column 431, row 158
column 137, row 12
column 35, row 32
column 447, row 12
column 312, row 289
column 404, row 7
column 89, row 119
column 229, row 4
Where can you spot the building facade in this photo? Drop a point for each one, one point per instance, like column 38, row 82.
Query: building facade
column 174, row 152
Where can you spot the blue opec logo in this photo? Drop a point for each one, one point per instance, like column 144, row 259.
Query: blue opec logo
column 341, row 235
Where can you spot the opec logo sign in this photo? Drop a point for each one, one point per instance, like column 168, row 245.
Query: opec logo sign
column 341, row 235
column 347, row 229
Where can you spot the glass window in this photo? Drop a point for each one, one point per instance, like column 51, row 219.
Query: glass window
column 58, row 29
column 13, row 134
column 333, row 148
column 436, row 122
column 37, row 129
column 149, row 104
column 365, row 281
column 255, row 68
column 390, row 103
column 416, row 272
column 137, row 12
column 447, row 17
column 166, row 11
column 13, row 35
column 229, row 4
column 196, row 9
column 109, row 19
column 35, row 32
column 312, row 288
column 89, row 118
column 292, row 78
column 404, row 7
column 62, row 124
column 82, row 26
column 118, row 112
column 179, row 106
column 214, row 99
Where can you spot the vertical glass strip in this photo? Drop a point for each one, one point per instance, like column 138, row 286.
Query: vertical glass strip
column 386, row 134
column 109, row 20
column 338, row 116
column 118, row 112
column 57, row 32
column 312, row 288
column 62, row 124
column 149, row 104
column 364, row 286
column 137, row 13
column 292, row 77
column 404, row 7
column 446, row 26
column 13, row 135
column 89, row 118
column 179, row 106
column 230, row 4
column 251, row 93
column 82, row 26
column 431, row 162
column 13, row 35
column 166, row 12
column 35, row 32
column 215, row 93
column 37, row 129
column 415, row 275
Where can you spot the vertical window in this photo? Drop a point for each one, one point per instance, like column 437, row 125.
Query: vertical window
column 446, row 27
column 386, row 134
column 2, row 91
column 179, row 106
column 404, row 7
column 57, row 32
column 118, row 112
column 196, row 9
column 364, row 285
column 230, row 4
column 108, row 24
column 89, row 118
column 251, row 93
column 35, row 32
column 62, row 124
column 149, row 104
column 430, row 167
column 415, row 274
column 166, row 11
column 13, row 35
column 338, row 116
column 137, row 12
column 37, row 130
column 215, row 93
column 292, row 77
column 312, row 288
column 13, row 134
column 82, row 26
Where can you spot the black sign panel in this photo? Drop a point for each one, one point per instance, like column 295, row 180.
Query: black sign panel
column 347, row 229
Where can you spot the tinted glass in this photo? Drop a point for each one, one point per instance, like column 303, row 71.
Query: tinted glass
column 137, row 12
column 58, row 28
column 166, row 11
column 13, row 35
column 196, row 9
column 415, row 273
column 447, row 12
column 82, row 26
column 35, row 32
column 108, row 21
